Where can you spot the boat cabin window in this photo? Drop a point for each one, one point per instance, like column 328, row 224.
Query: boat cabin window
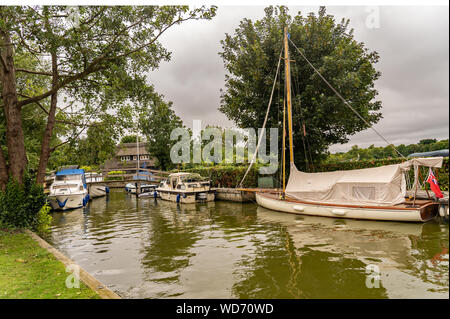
column 192, row 178
column 68, row 177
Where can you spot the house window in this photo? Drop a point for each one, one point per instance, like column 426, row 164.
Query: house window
column 125, row 158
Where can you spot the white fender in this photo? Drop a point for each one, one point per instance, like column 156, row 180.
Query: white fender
column 339, row 212
column 442, row 210
column 299, row 208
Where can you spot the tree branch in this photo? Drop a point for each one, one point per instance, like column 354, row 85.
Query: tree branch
column 33, row 72
column 57, row 121
column 69, row 79
column 152, row 41
column 74, row 137
column 94, row 65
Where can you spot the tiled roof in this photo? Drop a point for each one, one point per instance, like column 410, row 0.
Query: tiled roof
column 131, row 149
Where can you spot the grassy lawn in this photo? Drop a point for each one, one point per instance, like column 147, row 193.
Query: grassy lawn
column 28, row 271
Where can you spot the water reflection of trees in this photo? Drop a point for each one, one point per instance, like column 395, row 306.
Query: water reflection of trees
column 431, row 254
column 168, row 245
column 176, row 229
column 279, row 270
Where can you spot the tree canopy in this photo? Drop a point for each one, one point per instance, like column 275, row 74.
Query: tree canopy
column 373, row 153
column 157, row 124
column 82, row 65
column 130, row 139
column 251, row 55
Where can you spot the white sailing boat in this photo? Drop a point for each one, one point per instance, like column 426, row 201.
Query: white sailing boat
column 373, row 193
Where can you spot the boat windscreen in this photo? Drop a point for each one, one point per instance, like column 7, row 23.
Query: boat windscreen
column 68, row 177
column 65, row 186
column 192, row 178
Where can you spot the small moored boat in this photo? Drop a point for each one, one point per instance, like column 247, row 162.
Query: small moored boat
column 186, row 188
column 143, row 188
column 96, row 190
column 69, row 190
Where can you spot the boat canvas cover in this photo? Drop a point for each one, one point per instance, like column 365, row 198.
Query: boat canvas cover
column 377, row 186
column 70, row 172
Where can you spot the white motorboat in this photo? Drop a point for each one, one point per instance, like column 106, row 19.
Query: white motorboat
column 69, row 190
column 144, row 188
column 186, row 188
column 150, row 193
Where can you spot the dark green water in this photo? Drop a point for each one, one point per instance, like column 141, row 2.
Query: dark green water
column 143, row 249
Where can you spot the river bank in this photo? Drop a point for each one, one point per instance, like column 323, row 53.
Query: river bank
column 28, row 271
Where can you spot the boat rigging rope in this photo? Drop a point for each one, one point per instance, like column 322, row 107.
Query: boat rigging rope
column 345, row 102
column 265, row 121
column 302, row 121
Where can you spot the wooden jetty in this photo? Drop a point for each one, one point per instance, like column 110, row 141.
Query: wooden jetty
column 240, row 195
column 234, row 195
column 130, row 176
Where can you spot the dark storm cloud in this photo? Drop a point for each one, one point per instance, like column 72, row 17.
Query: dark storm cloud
column 412, row 43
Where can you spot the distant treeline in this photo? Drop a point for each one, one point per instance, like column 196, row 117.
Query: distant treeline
column 388, row 152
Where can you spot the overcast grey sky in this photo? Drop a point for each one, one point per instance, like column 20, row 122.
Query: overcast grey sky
column 414, row 61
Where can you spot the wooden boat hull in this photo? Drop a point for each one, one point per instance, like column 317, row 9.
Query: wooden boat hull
column 418, row 214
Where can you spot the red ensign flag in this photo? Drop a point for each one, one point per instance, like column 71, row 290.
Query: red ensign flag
column 434, row 184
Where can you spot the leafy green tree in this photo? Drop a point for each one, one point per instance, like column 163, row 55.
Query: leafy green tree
column 98, row 145
column 374, row 153
column 130, row 139
column 251, row 56
column 156, row 123
column 427, row 141
column 95, row 59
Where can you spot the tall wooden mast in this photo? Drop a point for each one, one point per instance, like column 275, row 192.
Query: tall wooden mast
column 288, row 95
column 284, row 148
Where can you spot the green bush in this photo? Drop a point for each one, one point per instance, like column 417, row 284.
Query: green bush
column 114, row 178
column 116, row 172
column 20, row 204
column 43, row 220
column 228, row 175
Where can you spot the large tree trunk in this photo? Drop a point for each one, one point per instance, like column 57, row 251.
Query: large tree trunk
column 3, row 171
column 46, row 138
column 13, row 114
